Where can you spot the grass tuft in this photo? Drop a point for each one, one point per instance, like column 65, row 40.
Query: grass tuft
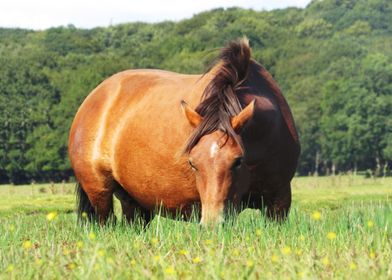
column 341, row 231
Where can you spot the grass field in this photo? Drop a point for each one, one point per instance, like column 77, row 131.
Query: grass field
column 339, row 227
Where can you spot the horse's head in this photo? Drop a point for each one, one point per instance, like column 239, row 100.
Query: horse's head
column 217, row 161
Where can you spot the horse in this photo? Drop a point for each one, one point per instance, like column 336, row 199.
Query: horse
column 158, row 138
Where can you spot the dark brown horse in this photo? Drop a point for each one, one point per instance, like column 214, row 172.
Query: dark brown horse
column 135, row 137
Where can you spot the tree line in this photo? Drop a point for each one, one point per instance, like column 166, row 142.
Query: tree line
column 332, row 60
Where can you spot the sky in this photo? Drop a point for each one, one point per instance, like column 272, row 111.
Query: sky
column 42, row 14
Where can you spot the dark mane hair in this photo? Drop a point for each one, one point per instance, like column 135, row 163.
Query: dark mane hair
column 219, row 102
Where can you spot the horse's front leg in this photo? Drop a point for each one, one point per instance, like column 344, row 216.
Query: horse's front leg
column 278, row 206
column 274, row 202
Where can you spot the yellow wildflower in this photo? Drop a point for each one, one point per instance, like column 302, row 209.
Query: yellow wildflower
column 51, row 216
column 84, row 215
column 11, row 228
column 370, row 224
column 27, row 245
column 331, row 235
column 236, row 252
column 300, row 274
column 10, row 268
column 353, row 266
column 154, row 241
column 372, row 255
column 208, row 241
column 65, row 251
column 286, row 250
column 316, row 215
column 101, row 252
column 325, row 261
column 38, row 261
column 258, row 232
column 170, row 270
column 196, row 260
column 133, row 262
column 71, row 266
column 298, row 252
column 157, row 258
column 274, row 258
column 91, row 236
column 183, row 252
column 79, row 244
column 250, row 263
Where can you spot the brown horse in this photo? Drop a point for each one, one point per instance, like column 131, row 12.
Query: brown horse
column 135, row 137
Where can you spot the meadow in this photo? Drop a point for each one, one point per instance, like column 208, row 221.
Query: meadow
column 339, row 227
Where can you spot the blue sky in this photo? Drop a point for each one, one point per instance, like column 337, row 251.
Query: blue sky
column 41, row 14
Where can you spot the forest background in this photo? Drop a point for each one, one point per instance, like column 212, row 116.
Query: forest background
column 332, row 60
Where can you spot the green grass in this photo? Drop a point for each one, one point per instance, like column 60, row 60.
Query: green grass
column 358, row 211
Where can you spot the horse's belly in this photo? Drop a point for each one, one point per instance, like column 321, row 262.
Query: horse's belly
column 152, row 186
column 146, row 163
column 169, row 198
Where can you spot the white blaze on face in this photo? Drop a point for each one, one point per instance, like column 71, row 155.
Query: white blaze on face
column 214, row 149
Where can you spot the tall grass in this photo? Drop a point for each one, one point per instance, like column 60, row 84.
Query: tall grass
column 350, row 238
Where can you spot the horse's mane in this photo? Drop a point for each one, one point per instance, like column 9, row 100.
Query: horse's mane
column 219, row 102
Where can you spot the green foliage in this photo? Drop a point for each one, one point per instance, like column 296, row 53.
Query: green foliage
column 332, row 60
column 317, row 28
column 359, row 28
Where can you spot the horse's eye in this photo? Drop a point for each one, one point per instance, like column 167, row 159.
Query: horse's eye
column 192, row 165
column 237, row 162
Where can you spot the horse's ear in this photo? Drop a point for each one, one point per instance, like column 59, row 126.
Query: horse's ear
column 193, row 117
column 240, row 120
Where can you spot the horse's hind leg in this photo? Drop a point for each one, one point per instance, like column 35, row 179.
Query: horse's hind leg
column 99, row 191
column 130, row 208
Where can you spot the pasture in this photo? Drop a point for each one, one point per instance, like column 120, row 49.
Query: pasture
column 339, row 227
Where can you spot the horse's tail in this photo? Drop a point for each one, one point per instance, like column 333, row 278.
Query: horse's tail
column 85, row 209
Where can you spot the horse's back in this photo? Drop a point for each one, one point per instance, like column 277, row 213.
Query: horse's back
column 103, row 112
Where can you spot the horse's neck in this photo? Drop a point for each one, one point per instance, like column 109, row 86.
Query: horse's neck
column 194, row 97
